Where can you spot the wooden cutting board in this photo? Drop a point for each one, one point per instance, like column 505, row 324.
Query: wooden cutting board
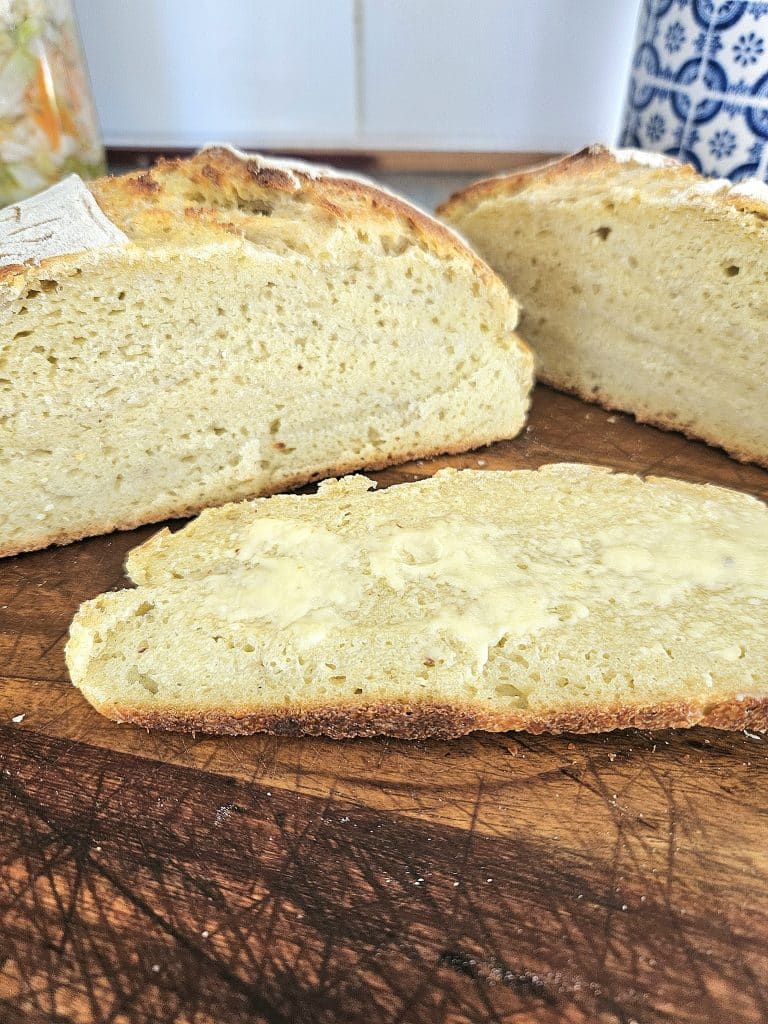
column 509, row 878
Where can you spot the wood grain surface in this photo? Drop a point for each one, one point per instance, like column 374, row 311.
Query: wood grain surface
column 156, row 878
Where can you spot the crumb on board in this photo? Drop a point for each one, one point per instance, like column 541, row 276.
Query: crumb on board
column 18, row 719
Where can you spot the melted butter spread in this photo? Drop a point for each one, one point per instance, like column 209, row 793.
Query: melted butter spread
column 475, row 591
column 292, row 575
column 472, row 582
column 673, row 558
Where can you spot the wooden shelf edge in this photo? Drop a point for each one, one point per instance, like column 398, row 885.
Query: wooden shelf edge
column 383, row 160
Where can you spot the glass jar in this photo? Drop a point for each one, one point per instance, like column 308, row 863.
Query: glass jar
column 48, row 126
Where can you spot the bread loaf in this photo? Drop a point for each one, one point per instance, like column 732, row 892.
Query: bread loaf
column 566, row 598
column 642, row 286
column 227, row 326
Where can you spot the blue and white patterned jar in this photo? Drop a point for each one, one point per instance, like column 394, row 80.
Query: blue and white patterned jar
column 698, row 87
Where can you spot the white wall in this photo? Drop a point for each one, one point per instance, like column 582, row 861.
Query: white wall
column 411, row 74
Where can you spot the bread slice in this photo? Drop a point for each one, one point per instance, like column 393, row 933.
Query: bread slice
column 642, row 285
column 232, row 326
column 566, row 598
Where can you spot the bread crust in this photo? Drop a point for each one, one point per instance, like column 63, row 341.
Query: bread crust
column 643, row 415
column 424, row 720
column 140, row 203
column 676, row 177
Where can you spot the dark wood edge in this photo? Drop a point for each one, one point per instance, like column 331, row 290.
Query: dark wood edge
column 371, row 161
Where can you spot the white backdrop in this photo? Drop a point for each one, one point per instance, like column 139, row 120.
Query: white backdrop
column 431, row 74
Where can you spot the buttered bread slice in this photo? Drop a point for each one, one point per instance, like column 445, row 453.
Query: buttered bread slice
column 228, row 326
column 567, row 598
column 642, row 284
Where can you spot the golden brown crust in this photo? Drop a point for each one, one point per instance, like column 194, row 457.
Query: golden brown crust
column 600, row 160
column 593, row 158
column 225, row 178
column 412, row 720
column 10, row 270
column 279, row 486
column 643, row 415
column 153, row 206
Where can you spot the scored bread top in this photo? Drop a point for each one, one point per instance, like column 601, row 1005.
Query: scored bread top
column 219, row 193
column 656, row 177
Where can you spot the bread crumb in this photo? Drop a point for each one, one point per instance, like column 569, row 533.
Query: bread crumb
column 18, row 719
column 482, row 462
column 611, row 419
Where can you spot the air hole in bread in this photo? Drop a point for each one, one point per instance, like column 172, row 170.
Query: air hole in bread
column 142, row 679
column 507, row 690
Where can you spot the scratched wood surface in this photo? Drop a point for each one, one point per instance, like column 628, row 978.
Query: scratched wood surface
column 559, row 880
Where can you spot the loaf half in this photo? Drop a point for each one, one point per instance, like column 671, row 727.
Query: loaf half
column 566, row 598
column 643, row 286
column 226, row 326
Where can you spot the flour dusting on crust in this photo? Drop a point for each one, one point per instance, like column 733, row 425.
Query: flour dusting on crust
column 63, row 219
column 641, row 156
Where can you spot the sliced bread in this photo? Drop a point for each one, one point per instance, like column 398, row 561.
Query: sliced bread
column 227, row 326
column 642, row 284
column 567, row 598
